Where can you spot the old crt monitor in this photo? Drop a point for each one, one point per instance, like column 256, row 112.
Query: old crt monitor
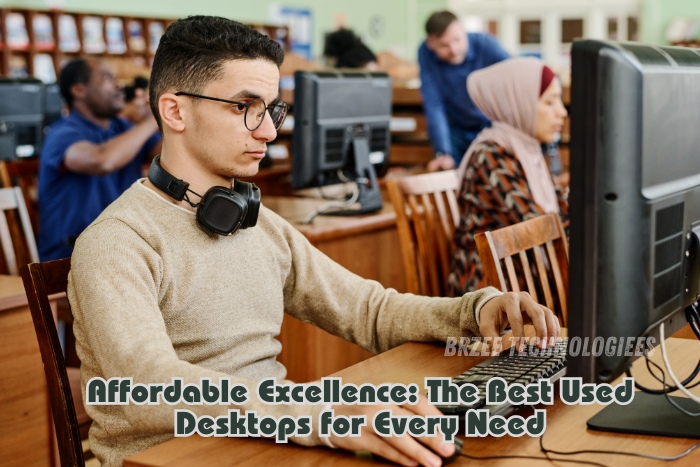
column 341, row 131
column 635, row 198
column 22, row 112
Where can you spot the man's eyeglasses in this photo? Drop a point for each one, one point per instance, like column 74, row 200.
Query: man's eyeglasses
column 254, row 110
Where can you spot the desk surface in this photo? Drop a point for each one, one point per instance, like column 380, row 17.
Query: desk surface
column 294, row 210
column 566, row 425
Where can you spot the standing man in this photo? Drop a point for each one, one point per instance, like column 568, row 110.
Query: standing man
column 89, row 157
column 446, row 58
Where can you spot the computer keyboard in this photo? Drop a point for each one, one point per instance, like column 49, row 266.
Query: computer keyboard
column 520, row 367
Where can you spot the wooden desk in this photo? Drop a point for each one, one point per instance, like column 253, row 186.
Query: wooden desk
column 410, row 363
column 26, row 436
column 275, row 180
column 367, row 245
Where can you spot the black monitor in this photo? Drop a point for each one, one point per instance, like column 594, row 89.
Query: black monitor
column 22, row 112
column 53, row 104
column 341, row 131
column 634, row 201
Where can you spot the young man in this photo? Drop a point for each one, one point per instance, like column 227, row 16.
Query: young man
column 157, row 296
column 88, row 158
column 446, row 58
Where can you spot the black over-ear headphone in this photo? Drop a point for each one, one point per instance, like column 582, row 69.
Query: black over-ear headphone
column 221, row 210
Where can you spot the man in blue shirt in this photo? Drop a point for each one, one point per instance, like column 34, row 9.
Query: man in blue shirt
column 446, row 58
column 89, row 157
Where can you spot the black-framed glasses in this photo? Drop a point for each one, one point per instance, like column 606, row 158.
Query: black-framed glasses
column 254, row 110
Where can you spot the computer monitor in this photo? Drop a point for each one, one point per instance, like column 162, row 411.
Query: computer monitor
column 341, row 131
column 22, row 111
column 53, row 104
column 634, row 201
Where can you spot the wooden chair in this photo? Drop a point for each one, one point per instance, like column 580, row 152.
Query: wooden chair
column 16, row 236
column 42, row 280
column 426, row 217
column 23, row 173
column 508, row 255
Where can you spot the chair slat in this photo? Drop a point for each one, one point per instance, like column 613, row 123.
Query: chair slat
column 559, row 281
column 544, row 282
column 512, row 276
column 528, row 275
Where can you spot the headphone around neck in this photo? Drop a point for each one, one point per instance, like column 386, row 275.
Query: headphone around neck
column 221, row 210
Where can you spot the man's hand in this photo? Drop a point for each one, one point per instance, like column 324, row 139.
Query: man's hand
column 444, row 162
column 404, row 450
column 518, row 309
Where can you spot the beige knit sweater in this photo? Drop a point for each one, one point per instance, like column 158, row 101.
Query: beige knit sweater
column 155, row 297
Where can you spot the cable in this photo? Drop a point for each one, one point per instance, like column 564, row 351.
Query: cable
column 619, row 453
column 336, row 205
column 666, row 387
column 548, row 459
column 682, row 388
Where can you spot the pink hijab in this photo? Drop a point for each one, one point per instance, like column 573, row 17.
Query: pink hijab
column 507, row 93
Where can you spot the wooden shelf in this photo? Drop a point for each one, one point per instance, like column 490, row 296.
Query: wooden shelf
column 105, row 41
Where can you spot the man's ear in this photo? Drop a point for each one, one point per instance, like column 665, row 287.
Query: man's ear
column 171, row 112
column 430, row 42
column 78, row 91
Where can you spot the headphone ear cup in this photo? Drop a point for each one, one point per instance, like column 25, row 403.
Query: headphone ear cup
column 251, row 195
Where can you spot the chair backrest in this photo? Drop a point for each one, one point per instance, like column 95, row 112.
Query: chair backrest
column 507, row 256
column 23, row 173
column 42, row 280
column 426, row 217
column 16, row 235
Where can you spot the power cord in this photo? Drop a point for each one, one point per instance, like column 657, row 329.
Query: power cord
column 619, row 453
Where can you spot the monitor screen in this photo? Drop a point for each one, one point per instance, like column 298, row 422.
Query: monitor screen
column 341, row 131
column 22, row 112
column 53, row 104
column 634, row 201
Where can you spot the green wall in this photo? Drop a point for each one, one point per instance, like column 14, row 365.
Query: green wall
column 402, row 20
column 657, row 13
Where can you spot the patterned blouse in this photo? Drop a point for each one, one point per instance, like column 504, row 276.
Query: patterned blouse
column 493, row 194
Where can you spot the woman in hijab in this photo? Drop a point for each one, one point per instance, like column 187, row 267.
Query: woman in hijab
column 504, row 176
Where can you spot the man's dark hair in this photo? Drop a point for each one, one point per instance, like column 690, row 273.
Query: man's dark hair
column 347, row 49
column 139, row 82
column 439, row 22
column 75, row 72
column 192, row 52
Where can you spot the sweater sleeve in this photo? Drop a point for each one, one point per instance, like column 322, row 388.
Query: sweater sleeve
column 120, row 331
column 433, row 106
column 361, row 311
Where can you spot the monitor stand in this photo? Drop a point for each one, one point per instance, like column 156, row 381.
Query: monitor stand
column 649, row 414
column 370, row 196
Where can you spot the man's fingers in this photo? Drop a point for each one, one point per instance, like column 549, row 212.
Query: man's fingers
column 422, row 407
column 376, row 445
column 512, row 306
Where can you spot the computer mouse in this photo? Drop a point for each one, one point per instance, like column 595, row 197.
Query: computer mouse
column 458, row 449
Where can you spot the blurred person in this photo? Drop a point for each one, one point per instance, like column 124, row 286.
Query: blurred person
column 446, row 58
column 89, row 157
column 346, row 50
column 136, row 108
column 504, row 176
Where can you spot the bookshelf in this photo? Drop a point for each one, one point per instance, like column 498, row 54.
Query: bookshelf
column 36, row 43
